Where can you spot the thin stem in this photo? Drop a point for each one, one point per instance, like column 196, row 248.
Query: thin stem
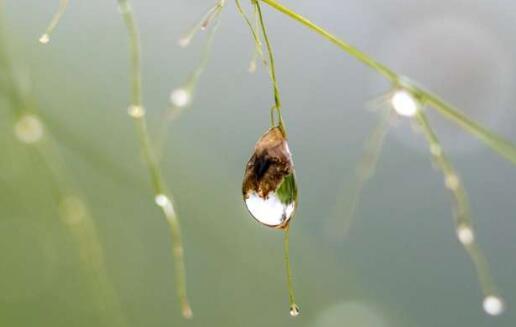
column 498, row 144
column 189, row 88
column 192, row 81
column 76, row 217
column 463, row 224
column 495, row 142
column 294, row 309
column 258, row 44
column 212, row 13
column 135, row 52
column 382, row 69
column 366, row 167
column 161, row 198
column 277, row 100
column 45, row 38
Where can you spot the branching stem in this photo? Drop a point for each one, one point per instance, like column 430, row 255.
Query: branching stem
column 498, row 144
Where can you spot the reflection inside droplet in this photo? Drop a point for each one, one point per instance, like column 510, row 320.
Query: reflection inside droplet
column 269, row 211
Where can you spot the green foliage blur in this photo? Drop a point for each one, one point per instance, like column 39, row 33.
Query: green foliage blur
column 83, row 244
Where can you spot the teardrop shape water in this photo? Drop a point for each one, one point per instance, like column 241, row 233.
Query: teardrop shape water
column 269, row 186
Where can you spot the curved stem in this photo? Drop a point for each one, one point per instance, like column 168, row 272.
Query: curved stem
column 190, row 87
column 277, row 100
column 379, row 67
column 162, row 199
column 498, row 144
column 258, row 52
column 63, row 4
column 365, row 169
column 294, row 309
column 495, row 142
column 211, row 14
column 463, row 224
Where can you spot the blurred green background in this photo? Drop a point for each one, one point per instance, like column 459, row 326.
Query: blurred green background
column 400, row 264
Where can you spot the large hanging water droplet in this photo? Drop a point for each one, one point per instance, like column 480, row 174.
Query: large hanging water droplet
column 269, row 187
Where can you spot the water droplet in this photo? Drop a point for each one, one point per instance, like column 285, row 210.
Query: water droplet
column 493, row 305
column 269, row 187
column 44, row 39
column 184, row 41
column 180, row 97
column 165, row 204
column 136, row 111
column 161, row 200
column 252, row 67
column 29, row 129
column 187, row 311
column 294, row 310
column 465, row 234
column 404, row 103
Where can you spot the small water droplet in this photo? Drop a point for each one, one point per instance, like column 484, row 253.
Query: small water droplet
column 184, row 41
column 161, row 200
column 187, row 311
column 180, row 97
column 44, row 39
column 465, row 234
column 136, row 111
column 29, row 129
column 165, row 203
column 404, row 103
column 269, row 186
column 294, row 310
column 252, row 67
column 493, row 305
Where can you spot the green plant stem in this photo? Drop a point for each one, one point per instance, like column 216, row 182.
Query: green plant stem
column 275, row 87
column 254, row 33
column 462, row 214
column 290, row 285
column 190, row 86
column 211, row 14
column 498, row 144
column 63, row 4
column 277, row 107
column 365, row 169
column 382, row 69
column 191, row 83
column 158, row 183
